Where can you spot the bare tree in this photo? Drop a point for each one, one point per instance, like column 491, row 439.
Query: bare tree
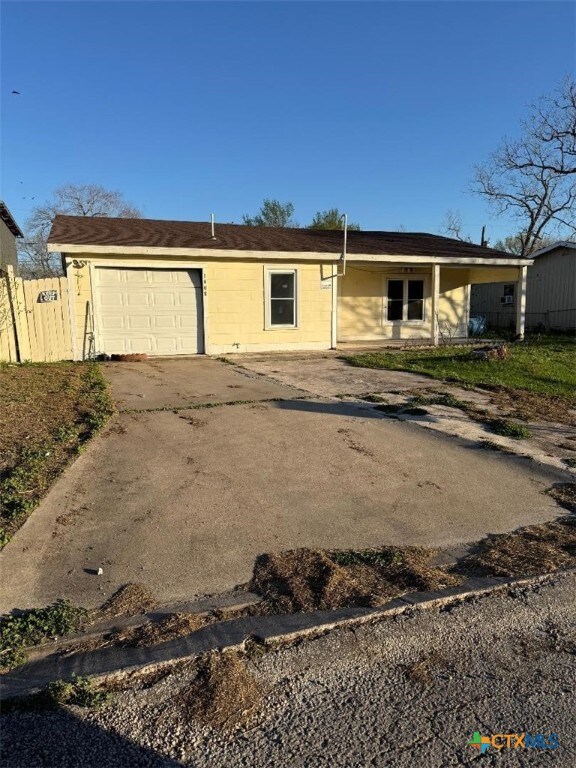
column 533, row 178
column 73, row 200
column 553, row 121
column 453, row 226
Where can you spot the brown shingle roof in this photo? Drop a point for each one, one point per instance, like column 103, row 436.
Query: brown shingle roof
column 158, row 233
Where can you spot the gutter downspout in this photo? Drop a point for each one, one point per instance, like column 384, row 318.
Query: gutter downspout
column 335, row 276
column 345, row 217
column 334, row 318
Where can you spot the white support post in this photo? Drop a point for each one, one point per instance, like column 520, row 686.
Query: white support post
column 334, row 317
column 435, row 301
column 521, row 301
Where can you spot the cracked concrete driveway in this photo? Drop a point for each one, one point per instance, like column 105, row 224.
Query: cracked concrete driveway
column 182, row 491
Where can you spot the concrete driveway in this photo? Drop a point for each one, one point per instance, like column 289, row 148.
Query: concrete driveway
column 183, row 499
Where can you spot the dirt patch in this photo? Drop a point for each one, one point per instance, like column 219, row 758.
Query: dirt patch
column 308, row 580
column 354, row 444
column 526, row 552
column 193, row 421
column 129, row 600
column 133, row 357
column 531, row 406
column 223, row 693
column 422, row 671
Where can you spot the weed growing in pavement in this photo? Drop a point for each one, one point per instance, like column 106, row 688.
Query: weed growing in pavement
column 508, row 428
column 377, row 557
column 492, row 445
column 33, row 626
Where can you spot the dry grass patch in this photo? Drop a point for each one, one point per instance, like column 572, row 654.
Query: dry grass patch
column 422, row 671
column 223, row 693
column 532, row 406
column 565, row 495
column 173, row 626
column 129, row 600
column 529, row 551
column 308, row 580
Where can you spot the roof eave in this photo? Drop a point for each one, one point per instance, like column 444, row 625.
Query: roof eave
column 553, row 247
column 223, row 253
column 9, row 220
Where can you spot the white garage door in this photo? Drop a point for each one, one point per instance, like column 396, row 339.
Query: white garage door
column 157, row 311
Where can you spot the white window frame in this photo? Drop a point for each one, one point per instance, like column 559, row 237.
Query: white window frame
column 405, row 279
column 268, row 272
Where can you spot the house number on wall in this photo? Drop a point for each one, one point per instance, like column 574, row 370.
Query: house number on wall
column 44, row 296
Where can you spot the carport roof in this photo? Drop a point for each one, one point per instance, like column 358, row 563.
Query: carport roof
column 162, row 234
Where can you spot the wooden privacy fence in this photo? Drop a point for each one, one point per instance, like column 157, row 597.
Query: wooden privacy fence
column 34, row 319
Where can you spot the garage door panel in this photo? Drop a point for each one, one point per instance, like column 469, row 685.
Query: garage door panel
column 113, row 323
column 139, row 323
column 164, row 299
column 165, row 346
column 109, row 299
column 137, row 299
column 155, row 311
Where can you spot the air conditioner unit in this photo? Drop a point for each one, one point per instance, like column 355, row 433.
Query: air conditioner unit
column 507, row 300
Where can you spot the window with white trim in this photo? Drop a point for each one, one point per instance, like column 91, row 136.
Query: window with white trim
column 405, row 300
column 281, row 290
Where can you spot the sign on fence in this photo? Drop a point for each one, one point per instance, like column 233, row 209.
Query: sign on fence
column 45, row 296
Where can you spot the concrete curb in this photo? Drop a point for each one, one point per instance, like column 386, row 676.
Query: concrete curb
column 278, row 628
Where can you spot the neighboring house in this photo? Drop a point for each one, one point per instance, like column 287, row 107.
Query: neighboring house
column 176, row 287
column 9, row 231
column 550, row 293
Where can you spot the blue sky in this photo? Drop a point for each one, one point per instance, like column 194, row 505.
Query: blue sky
column 379, row 108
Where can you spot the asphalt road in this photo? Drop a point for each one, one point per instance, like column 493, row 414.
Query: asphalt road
column 408, row 691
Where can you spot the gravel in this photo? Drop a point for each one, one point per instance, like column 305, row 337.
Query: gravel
column 407, row 691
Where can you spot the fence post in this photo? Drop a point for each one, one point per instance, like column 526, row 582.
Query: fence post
column 18, row 306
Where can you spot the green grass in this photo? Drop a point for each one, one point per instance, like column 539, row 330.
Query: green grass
column 33, row 627
column 545, row 367
column 508, row 428
column 79, row 692
column 47, row 413
column 375, row 557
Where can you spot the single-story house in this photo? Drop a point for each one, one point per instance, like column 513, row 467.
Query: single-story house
column 550, row 293
column 9, row 231
column 179, row 287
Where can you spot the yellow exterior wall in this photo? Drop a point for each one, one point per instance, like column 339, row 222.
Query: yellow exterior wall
column 361, row 305
column 235, row 308
column 234, row 304
column 453, row 302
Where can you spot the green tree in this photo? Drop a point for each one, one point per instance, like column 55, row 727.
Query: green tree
column 514, row 244
column 273, row 213
column 330, row 219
